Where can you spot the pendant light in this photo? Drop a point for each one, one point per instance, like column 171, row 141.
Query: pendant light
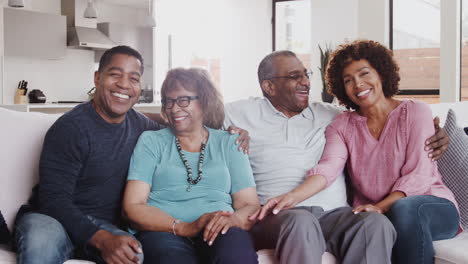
column 90, row 11
column 16, row 3
column 149, row 19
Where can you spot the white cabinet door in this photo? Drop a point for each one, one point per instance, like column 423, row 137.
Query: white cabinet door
column 34, row 34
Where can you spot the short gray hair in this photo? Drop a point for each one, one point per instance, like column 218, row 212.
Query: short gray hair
column 266, row 68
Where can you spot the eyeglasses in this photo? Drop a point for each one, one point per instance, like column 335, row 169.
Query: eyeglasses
column 294, row 76
column 182, row 101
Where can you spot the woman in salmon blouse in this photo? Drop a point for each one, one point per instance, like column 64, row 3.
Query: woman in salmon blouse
column 381, row 140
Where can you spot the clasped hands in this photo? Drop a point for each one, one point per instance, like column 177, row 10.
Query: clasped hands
column 212, row 224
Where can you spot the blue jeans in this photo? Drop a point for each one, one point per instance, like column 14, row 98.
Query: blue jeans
column 419, row 220
column 42, row 239
column 234, row 247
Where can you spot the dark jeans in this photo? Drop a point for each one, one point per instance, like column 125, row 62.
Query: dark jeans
column 42, row 239
column 234, row 247
column 419, row 220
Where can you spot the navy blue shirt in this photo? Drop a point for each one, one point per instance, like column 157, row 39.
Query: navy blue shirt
column 83, row 168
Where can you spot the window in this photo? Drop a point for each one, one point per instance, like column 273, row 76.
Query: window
column 193, row 44
column 292, row 28
column 415, row 41
column 225, row 37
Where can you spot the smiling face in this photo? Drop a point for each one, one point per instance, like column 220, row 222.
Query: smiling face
column 362, row 84
column 117, row 87
column 184, row 119
column 288, row 95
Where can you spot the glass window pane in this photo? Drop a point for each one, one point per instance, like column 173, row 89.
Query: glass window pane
column 416, row 46
column 464, row 52
column 293, row 28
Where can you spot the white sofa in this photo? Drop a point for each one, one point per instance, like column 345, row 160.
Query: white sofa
column 21, row 136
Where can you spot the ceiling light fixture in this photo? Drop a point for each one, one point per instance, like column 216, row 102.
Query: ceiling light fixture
column 16, row 3
column 90, row 11
column 149, row 19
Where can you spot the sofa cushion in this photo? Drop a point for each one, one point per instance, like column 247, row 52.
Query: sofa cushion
column 9, row 257
column 267, row 256
column 21, row 138
column 452, row 251
column 453, row 165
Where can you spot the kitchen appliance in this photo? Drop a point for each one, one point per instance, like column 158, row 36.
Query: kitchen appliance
column 36, row 96
column 90, row 11
column 83, row 33
column 146, row 95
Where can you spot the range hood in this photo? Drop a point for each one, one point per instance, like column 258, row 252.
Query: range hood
column 82, row 33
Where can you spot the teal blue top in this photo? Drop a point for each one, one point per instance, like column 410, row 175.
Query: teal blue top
column 226, row 171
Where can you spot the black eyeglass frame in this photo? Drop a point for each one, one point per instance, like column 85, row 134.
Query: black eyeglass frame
column 178, row 101
column 294, row 76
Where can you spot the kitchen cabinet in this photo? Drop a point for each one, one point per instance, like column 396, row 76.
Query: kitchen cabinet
column 34, row 34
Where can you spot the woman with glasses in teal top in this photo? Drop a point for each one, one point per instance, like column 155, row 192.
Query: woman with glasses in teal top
column 190, row 191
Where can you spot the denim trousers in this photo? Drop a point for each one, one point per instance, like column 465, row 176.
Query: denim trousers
column 234, row 247
column 42, row 239
column 419, row 220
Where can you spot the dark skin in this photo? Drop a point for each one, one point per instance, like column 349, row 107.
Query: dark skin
column 121, row 75
column 287, row 95
column 437, row 144
column 284, row 95
column 116, row 248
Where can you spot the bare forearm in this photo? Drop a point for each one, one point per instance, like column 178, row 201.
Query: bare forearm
column 311, row 186
column 148, row 218
column 386, row 203
column 242, row 215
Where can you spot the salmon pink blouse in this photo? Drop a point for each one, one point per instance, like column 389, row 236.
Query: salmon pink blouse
column 396, row 161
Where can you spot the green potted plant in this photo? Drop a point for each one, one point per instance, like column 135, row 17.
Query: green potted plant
column 324, row 58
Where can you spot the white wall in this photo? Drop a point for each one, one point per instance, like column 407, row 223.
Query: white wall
column 120, row 14
column 67, row 79
column 1, row 52
column 373, row 20
column 238, row 32
column 333, row 22
column 246, row 42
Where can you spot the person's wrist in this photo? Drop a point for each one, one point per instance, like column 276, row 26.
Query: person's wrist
column 98, row 238
column 174, row 226
column 182, row 228
column 295, row 196
column 236, row 220
column 383, row 209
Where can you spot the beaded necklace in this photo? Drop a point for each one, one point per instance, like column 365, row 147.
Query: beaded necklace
column 190, row 180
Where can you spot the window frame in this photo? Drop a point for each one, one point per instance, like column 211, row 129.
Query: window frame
column 407, row 91
column 273, row 21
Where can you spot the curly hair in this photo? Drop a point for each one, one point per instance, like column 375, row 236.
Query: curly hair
column 378, row 56
column 197, row 80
